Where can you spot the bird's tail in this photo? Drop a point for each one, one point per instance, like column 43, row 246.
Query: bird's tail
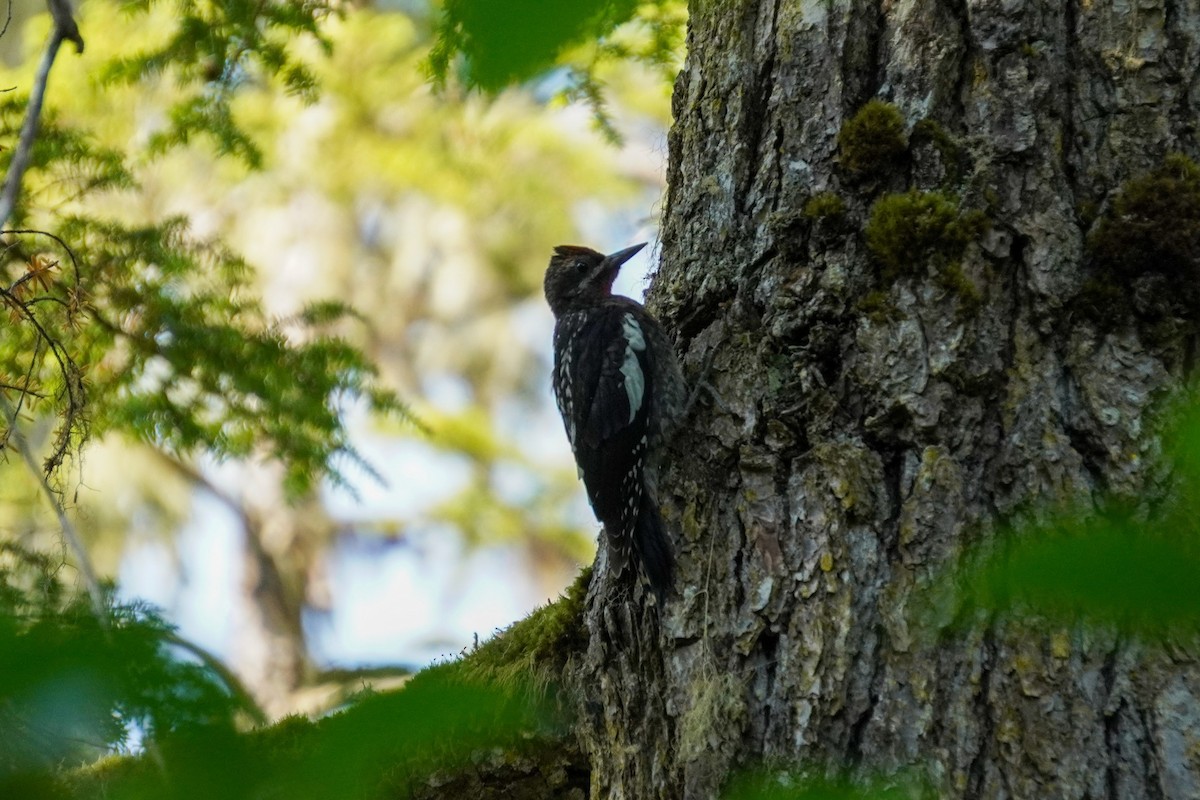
column 653, row 548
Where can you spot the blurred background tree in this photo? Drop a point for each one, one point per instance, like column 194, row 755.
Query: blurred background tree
column 270, row 229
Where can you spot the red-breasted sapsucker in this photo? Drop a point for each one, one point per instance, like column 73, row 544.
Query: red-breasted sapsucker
column 621, row 393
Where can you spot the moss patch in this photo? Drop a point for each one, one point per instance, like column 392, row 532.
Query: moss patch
column 1154, row 226
column 825, row 205
column 877, row 306
column 538, row 647
column 908, row 231
column 873, row 139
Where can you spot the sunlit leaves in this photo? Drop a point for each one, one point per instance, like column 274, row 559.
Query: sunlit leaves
column 206, row 116
column 151, row 332
column 203, row 367
column 65, row 163
column 182, row 356
column 215, row 49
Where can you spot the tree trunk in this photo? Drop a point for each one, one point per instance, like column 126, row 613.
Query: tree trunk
column 270, row 649
column 869, row 421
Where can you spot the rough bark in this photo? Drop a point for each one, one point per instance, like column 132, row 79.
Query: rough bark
column 866, row 429
column 551, row 769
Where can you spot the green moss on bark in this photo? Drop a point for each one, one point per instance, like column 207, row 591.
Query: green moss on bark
column 825, row 205
column 877, row 306
column 538, row 648
column 908, row 231
column 1153, row 226
column 873, row 139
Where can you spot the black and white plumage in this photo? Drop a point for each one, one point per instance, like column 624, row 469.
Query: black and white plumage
column 620, row 392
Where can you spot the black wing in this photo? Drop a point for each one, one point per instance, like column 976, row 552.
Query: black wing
column 609, row 407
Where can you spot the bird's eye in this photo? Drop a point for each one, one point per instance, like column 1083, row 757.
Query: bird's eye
column 580, row 266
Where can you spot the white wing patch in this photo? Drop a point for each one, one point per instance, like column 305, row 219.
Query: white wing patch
column 635, row 381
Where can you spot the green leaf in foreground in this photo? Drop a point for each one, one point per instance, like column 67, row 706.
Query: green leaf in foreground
column 783, row 785
column 1107, row 571
column 382, row 746
column 76, row 686
column 502, row 42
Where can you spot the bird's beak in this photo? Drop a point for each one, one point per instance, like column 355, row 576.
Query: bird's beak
column 615, row 260
column 606, row 271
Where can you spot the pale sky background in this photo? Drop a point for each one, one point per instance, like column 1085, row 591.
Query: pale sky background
column 408, row 601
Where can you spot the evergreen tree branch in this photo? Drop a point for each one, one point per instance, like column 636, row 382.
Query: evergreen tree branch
column 66, row 247
column 65, row 29
column 245, row 700
column 83, row 561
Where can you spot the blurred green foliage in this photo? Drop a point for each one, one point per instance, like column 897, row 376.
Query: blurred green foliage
column 379, row 746
column 1128, row 565
column 505, row 41
column 492, row 44
column 214, row 49
column 1137, row 575
column 139, row 327
column 75, row 686
column 787, row 785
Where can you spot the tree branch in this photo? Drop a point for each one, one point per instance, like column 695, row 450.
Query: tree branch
column 7, row 18
column 197, row 478
column 64, row 22
column 65, row 29
column 83, row 562
column 235, row 686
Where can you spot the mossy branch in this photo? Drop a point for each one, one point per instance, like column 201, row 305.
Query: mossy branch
column 536, row 650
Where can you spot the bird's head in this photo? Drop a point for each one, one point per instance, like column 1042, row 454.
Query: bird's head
column 581, row 275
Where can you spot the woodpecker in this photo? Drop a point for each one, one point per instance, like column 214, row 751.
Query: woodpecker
column 620, row 393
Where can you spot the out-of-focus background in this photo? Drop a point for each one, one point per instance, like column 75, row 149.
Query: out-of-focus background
column 432, row 212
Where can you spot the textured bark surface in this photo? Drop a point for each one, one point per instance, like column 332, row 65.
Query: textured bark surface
column 542, row 770
column 856, row 445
